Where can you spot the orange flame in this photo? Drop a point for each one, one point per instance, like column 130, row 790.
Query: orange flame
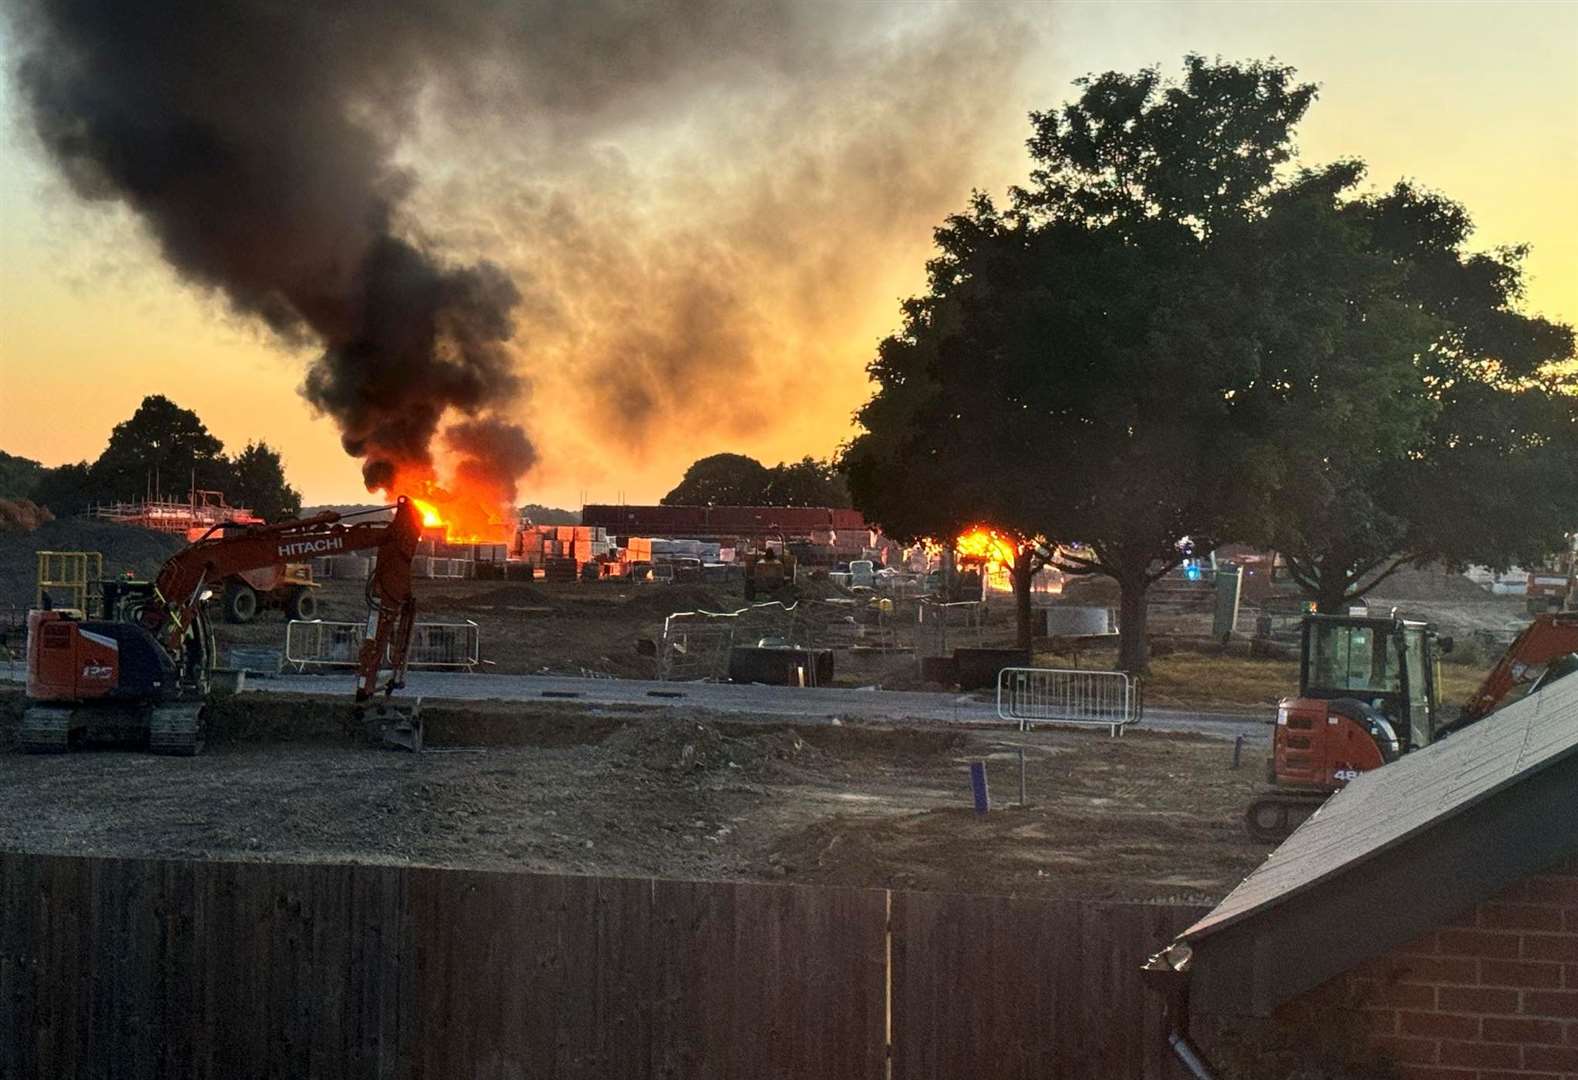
column 461, row 513
column 431, row 518
column 995, row 550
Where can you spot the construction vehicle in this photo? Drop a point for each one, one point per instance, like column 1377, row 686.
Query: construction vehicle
column 288, row 587
column 1545, row 651
column 142, row 670
column 1369, row 691
column 1555, row 587
column 770, row 571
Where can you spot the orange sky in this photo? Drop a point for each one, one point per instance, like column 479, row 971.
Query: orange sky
column 1475, row 100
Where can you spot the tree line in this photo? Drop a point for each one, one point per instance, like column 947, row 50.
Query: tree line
column 740, row 480
column 160, row 447
column 1170, row 338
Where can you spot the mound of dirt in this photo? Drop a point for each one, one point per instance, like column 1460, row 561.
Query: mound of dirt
column 673, row 744
column 1431, row 583
column 22, row 515
column 505, row 596
column 124, row 547
column 821, row 588
column 659, row 601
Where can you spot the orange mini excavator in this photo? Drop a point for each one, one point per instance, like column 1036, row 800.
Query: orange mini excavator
column 143, row 670
column 1369, row 691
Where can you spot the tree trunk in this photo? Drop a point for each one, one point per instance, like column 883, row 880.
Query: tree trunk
column 1021, row 575
column 1331, row 598
column 1134, row 652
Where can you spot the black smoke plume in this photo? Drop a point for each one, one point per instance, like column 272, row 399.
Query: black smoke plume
column 354, row 174
column 255, row 141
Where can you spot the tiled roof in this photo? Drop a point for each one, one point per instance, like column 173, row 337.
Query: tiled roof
column 1420, row 792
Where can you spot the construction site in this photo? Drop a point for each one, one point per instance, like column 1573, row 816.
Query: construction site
column 783, row 540
column 850, row 791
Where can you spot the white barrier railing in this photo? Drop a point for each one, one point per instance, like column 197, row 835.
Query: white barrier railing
column 1109, row 699
column 696, row 644
column 337, row 644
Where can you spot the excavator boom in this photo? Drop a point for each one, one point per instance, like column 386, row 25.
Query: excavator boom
column 146, row 670
column 1549, row 637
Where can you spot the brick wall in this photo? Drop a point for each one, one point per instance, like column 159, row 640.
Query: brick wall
column 1488, row 997
column 1492, row 996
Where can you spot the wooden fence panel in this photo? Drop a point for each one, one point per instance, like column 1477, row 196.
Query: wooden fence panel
column 769, row 982
column 999, row 987
column 527, row 976
column 137, row 969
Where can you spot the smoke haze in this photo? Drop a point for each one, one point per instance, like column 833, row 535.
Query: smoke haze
column 621, row 222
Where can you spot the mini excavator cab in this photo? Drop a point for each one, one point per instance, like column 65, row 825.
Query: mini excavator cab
column 1391, row 665
column 1369, row 691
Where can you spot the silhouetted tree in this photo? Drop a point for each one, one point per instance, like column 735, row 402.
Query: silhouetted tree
column 258, row 481
column 1441, row 428
column 161, row 449
column 18, row 476
column 166, row 448
column 720, row 480
column 1093, row 363
column 807, row 482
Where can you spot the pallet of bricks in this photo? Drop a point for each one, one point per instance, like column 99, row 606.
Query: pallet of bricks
column 441, row 559
column 563, row 551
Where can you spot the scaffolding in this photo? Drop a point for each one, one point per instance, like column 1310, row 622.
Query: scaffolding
column 70, row 579
column 199, row 511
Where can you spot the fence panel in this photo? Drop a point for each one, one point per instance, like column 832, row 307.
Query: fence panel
column 145, row 968
column 696, row 644
column 769, row 981
column 1108, row 699
column 318, row 643
column 1008, row 988
column 942, row 627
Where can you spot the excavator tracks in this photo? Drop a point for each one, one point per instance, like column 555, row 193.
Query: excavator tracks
column 1272, row 818
column 177, row 730
column 46, row 730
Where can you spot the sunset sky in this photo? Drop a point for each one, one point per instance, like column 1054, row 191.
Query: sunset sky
column 711, row 267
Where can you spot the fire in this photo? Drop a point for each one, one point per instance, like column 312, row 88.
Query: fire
column 461, row 513
column 431, row 518
column 995, row 550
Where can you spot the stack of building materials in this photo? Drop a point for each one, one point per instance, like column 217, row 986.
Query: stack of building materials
column 720, row 522
column 490, row 552
column 658, row 549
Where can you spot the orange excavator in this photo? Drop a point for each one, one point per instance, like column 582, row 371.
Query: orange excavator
column 1369, row 691
column 143, row 670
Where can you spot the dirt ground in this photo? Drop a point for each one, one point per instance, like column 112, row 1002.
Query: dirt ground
column 593, row 629
column 661, row 794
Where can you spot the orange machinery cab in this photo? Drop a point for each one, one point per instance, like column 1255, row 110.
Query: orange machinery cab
column 75, row 660
column 1368, row 692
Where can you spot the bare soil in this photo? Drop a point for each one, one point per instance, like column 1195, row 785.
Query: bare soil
column 595, row 628
column 663, row 794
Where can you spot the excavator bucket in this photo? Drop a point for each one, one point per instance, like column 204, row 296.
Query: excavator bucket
column 399, row 726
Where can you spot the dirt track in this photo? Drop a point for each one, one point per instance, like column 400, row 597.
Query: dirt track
column 673, row 795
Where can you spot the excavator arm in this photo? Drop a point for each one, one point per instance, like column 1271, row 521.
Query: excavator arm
column 1549, row 637
column 178, row 589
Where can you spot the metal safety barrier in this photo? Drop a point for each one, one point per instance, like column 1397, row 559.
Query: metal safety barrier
column 942, row 627
column 1109, row 699
column 337, row 644
column 696, row 644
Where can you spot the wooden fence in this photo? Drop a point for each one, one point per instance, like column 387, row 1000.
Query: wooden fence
column 149, row 968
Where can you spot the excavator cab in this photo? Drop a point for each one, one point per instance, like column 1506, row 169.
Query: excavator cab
column 1390, row 665
column 1368, row 693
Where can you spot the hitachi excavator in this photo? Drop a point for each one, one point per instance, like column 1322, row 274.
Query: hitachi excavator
column 143, row 670
column 1369, row 691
